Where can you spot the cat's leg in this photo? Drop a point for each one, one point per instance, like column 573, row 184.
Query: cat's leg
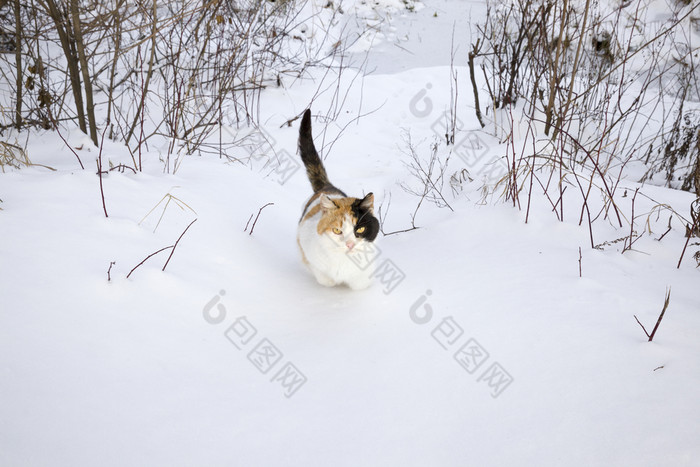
column 322, row 278
column 359, row 281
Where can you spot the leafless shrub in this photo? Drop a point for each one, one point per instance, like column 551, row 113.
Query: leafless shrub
column 178, row 72
column 430, row 175
column 678, row 154
column 593, row 82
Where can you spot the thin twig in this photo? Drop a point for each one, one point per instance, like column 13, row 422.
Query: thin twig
column 256, row 217
column 640, row 323
column 121, row 168
column 147, row 258
column 176, row 242
column 99, row 172
column 58, row 132
column 631, row 237
column 474, row 53
column 580, row 257
column 690, row 234
column 248, row 223
column 109, row 277
column 382, row 219
column 386, row 234
column 669, row 229
column 172, row 247
column 661, row 316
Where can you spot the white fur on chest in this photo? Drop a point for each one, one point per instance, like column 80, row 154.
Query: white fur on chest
column 329, row 258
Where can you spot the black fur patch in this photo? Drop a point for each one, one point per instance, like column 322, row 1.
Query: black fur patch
column 314, row 166
column 365, row 219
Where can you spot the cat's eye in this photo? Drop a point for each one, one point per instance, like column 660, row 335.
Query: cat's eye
column 337, row 231
column 360, row 230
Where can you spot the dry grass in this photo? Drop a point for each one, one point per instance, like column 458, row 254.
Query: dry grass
column 14, row 157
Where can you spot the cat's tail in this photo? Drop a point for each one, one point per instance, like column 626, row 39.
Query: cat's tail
column 314, row 166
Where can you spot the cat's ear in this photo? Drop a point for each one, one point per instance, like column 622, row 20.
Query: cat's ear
column 368, row 203
column 327, row 204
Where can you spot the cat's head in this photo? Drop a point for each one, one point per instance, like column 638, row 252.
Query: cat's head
column 348, row 221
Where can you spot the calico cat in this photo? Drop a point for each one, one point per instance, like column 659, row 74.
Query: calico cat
column 335, row 231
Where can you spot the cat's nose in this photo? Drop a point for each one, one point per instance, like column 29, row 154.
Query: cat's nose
column 350, row 244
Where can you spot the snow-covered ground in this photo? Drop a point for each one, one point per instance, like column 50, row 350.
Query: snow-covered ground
column 484, row 341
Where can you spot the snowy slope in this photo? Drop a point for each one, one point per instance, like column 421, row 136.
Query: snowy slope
column 479, row 344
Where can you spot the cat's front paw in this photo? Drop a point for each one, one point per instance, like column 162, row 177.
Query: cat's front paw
column 359, row 283
column 324, row 280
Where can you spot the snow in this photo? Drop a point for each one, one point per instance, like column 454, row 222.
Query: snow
column 480, row 345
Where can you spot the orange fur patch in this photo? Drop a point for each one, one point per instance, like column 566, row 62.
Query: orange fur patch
column 333, row 218
column 311, row 201
column 303, row 255
column 312, row 212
